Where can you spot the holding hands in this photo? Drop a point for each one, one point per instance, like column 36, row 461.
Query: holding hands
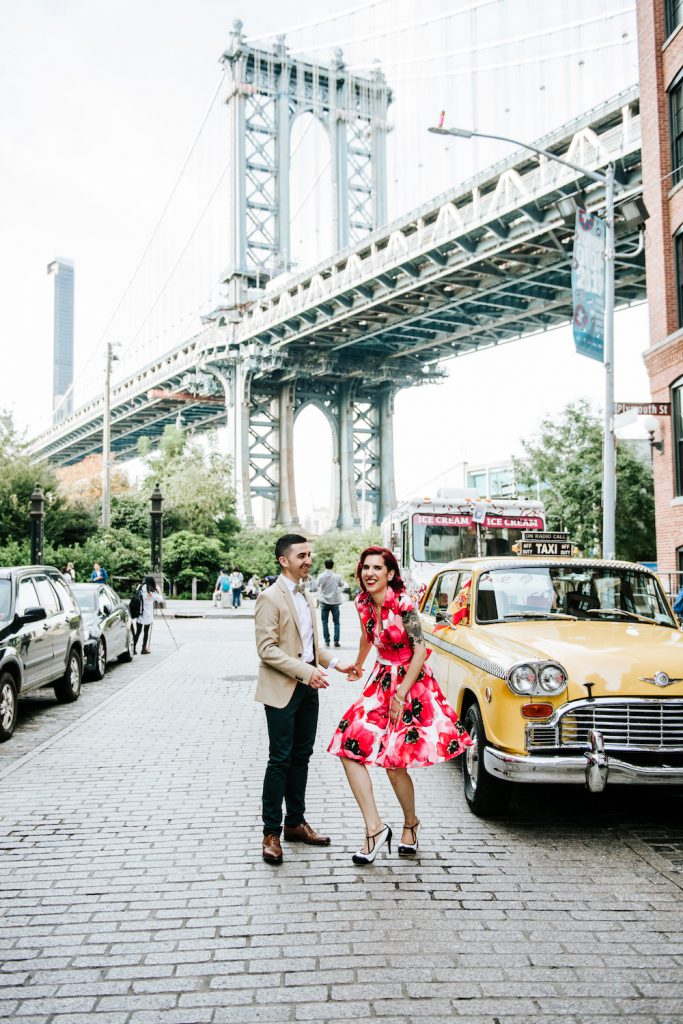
column 352, row 672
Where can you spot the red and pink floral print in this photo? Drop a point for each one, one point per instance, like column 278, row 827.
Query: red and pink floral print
column 428, row 731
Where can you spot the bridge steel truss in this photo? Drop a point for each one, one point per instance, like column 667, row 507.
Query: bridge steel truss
column 481, row 265
column 268, row 89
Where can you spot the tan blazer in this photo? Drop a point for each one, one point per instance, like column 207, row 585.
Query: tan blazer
column 280, row 645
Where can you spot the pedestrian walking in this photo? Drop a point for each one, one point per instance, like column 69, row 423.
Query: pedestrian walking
column 149, row 596
column 402, row 719
column 329, row 595
column 290, row 676
column 69, row 573
column 236, row 584
column 99, row 574
column 221, row 590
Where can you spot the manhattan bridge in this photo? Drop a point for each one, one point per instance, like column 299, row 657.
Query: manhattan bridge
column 484, row 263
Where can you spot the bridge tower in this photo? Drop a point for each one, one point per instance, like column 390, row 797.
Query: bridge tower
column 267, row 89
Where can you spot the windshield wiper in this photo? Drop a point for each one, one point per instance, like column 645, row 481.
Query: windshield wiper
column 540, row 615
column 622, row 613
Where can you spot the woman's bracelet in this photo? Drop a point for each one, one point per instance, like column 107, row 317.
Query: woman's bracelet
column 398, row 699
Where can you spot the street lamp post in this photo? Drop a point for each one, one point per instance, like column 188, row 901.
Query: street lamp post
column 37, row 525
column 609, row 479
column 157, row 535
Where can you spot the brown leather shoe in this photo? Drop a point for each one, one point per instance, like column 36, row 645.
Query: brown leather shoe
column 303, row 833
column 272, row 851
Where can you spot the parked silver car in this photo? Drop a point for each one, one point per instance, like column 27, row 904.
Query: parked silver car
column 107, row 626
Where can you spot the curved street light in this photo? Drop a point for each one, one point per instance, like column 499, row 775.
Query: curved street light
column 609, row 475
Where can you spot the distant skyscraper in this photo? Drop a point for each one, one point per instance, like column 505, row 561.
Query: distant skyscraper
column 63, row 345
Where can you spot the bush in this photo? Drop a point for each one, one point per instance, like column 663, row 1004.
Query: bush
column 188, row 555
column 254, row 552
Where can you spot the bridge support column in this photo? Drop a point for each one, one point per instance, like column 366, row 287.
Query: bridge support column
column 240, row 440
column 348, row 506
column 387, row 481
column 286, row 514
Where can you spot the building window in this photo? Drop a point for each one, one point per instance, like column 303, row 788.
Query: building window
column 676, row 119
column 677, row 434
column 674, row 15
column 678, row 256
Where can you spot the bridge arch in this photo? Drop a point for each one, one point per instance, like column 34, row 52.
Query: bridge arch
column 310, row 417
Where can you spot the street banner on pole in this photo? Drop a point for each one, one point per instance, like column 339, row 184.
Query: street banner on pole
column 588, row 285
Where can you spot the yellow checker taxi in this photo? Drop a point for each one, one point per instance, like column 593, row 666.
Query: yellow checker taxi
column 562, row 669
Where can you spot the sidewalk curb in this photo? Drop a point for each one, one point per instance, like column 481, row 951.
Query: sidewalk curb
column 5, row 772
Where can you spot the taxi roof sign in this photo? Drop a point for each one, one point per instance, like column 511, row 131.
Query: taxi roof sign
column 555, row 544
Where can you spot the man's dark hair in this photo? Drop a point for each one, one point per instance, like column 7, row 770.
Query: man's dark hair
column 329, row 564
column 288, row 541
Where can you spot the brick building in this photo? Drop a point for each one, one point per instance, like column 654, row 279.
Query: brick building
column 660, row 50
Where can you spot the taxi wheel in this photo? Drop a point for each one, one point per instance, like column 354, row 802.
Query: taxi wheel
column 485, row 795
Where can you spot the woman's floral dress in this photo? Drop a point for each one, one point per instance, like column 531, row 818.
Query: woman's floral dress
column 429, row 730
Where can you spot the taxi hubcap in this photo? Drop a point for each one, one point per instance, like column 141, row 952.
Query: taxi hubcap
column 472, row 762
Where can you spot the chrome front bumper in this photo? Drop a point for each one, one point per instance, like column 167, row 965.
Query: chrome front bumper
column 594, row 768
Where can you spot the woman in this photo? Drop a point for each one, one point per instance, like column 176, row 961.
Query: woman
column 149, row 596
column 69, row 573
column 402, row 718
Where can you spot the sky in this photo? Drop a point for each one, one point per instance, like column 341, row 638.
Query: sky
column 105, row 100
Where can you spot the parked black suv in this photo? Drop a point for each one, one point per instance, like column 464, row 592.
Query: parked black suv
column 41, row 639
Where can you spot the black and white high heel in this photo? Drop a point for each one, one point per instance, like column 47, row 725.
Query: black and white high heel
column 378, row 840
column 410, row 849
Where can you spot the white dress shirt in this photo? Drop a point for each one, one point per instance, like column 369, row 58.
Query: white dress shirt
column 303, row 612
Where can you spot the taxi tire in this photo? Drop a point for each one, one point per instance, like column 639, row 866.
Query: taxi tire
column 489, row 796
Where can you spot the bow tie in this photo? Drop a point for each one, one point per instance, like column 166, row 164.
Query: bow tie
column 299, row 588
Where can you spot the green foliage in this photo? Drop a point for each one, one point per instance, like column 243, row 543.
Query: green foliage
column 70, row 524
column 566, row 455
column 131, row 512
column 344, row 548
column 19, row 473
column 121, row 553
column 14, row 553
column 196, row 484
column 254, row 552
column 188, row 555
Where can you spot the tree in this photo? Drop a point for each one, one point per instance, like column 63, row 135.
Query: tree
column 19, row 474
column 196, row 484
column 188, row 555
column 566, row 455
column 254, row 551
column 343, row 547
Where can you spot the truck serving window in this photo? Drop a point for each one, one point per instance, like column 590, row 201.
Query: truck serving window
column 442, row 543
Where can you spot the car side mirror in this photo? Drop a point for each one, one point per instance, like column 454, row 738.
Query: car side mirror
column 106, row 610
column 444, row 617
column 35, row 614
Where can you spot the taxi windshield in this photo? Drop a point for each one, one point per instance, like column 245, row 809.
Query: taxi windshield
column 599, row 592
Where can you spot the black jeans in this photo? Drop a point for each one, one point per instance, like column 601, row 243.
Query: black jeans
column 291, row 732
column 325, row 610
column 145, row 636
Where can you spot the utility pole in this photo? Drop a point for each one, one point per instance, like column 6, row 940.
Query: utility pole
column 106, row 441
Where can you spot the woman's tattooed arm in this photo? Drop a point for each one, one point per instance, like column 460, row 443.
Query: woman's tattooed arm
column 411, row 624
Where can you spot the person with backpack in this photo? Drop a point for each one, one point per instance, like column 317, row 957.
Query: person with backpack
column 221, row 591
column 148, row 596
column 236, row 583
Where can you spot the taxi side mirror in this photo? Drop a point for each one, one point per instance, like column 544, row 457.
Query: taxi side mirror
column 444, row 617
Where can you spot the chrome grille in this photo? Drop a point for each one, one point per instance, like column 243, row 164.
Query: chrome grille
column 636, row 724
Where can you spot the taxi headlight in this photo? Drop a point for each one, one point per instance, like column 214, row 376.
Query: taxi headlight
column 522, row 680
column 552, row 679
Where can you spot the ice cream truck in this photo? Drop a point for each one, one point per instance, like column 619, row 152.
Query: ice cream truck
column 424, row 533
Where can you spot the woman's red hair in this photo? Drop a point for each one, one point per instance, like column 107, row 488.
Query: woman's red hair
column 397, row 583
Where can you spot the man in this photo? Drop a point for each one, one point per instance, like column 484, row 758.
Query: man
column 236, row 583
column 222, row 588
column 99, row 573
column 288, row 683
column 329, row 584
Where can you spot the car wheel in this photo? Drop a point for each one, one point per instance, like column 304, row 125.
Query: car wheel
column 485, row 794
column 8, row 706
column 130, row 645
column 68, row 688
column 100, row 665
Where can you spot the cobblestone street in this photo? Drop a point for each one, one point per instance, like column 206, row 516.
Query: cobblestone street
column 133, row 889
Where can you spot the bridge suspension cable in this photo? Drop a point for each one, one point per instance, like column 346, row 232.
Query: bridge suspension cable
column 424, row 58
column 302, row 26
